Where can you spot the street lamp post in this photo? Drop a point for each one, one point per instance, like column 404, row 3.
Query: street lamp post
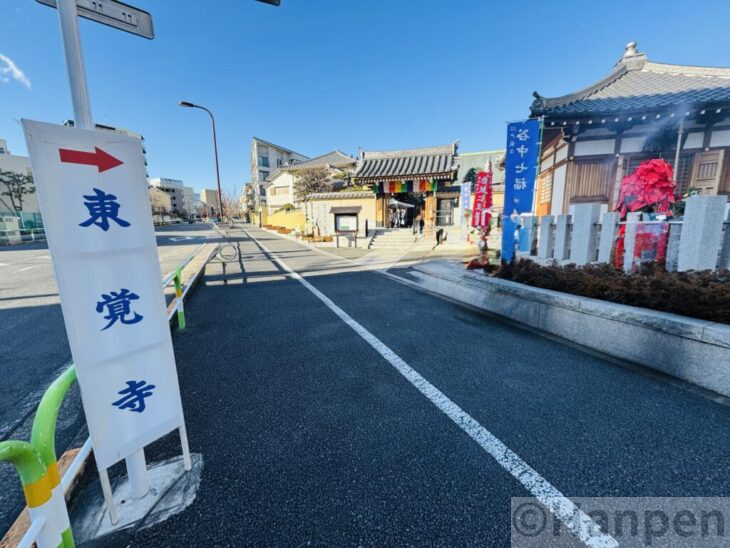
column 215, row 150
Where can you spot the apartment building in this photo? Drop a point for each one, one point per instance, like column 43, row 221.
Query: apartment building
column 265, row 159
column 181, row 196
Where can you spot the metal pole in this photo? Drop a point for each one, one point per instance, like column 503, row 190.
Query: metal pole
column 106, row 488
column 137, row 471
column 75, row 63
column 217, row 171
column 679, row 146
column 187, row 462
column 179, row 299
column 215, row 151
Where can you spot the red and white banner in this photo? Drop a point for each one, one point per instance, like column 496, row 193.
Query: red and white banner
column 482, row 214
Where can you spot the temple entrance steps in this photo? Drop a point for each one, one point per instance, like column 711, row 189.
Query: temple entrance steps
column 393, row 238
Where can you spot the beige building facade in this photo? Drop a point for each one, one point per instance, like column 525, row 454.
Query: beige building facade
column 322, row 210
column 280, row 187
column 265, row 158
column 209, row 198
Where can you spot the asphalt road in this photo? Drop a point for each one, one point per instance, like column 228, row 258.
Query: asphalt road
column 34, row 344
column 312, row 433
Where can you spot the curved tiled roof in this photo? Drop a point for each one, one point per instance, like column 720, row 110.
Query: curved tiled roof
column 638, row 85
column 341, row 195
column 332, row 159
column 410, row 163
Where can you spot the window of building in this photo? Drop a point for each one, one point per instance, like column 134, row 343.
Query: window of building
column 545, row 186
column 263, row 175
column 278, row 162
column 264, row 161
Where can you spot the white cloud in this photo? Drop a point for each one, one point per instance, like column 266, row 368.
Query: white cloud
column 9, row 70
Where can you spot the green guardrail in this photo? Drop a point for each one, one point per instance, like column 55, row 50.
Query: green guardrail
column 37, row 467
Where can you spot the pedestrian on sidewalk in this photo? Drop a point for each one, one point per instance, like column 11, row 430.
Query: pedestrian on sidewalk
column 439, row 236
column 421, row 224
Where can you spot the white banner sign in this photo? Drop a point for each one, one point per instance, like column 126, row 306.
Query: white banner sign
column 92, row 191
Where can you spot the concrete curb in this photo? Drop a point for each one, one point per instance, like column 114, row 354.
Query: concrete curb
column 189, row 280
column 696, row 351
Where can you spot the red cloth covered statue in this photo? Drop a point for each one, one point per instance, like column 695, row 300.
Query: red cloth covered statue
column 650, row 189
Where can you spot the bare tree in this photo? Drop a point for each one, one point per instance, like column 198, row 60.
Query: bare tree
column 231, row 202
column 310, row 181
column 202, row 210
column 16, row 185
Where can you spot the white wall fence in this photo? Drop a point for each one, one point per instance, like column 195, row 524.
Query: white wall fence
column 699, row 241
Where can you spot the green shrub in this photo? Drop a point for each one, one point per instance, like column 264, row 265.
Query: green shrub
column 704, row 295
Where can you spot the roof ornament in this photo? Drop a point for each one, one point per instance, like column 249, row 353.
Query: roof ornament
column 538, row 105
column 632, row 59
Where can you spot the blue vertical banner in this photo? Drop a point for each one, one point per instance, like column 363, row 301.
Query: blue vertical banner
column 521, row 165
column 465, row 204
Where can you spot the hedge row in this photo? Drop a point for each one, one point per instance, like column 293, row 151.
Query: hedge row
column 704, row 295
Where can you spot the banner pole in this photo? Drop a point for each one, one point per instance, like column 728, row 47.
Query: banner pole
column 537, row 167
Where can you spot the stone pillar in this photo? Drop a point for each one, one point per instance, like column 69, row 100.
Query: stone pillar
column 583, row 239
column 562, row 231
column 702, row 233
column 545, row 242
column 675, row 233
column 528, row 232
column 632, row 222
column 609, row 231
column 724, row 262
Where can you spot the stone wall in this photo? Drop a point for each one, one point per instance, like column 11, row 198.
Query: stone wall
column 696, row 351
column 293, row 219
column 699, row 241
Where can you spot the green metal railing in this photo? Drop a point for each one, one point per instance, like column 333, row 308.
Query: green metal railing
column 37, row 467
column 43, row 434
column 175, row 277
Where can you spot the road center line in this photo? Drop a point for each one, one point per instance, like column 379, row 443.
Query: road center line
column 563, row 508
column 30, row 267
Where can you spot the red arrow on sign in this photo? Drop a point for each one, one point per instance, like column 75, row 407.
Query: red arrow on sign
column 98, row 158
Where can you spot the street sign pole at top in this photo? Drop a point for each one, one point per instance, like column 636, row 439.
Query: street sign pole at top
column 75, row 63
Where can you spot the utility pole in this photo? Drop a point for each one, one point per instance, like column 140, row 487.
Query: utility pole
column 215, row 151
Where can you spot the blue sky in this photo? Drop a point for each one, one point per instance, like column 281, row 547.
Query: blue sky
column 315, row 75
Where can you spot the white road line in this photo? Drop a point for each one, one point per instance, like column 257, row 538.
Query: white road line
column 29, row 267
column 562, row 507
column 44, row 257
column 4, row 264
